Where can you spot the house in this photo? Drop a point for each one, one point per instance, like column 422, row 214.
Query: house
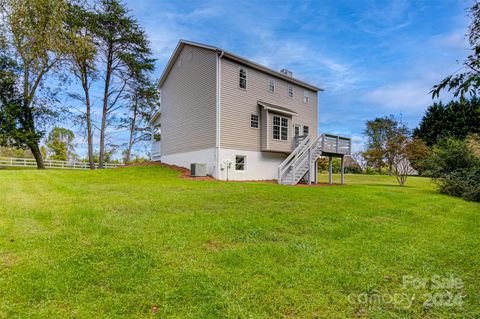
column 243, row 120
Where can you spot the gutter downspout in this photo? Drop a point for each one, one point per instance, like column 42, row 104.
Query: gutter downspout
column 217, row 106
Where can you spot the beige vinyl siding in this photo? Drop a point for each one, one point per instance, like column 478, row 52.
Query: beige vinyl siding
column 188, row 120
column 237, row 104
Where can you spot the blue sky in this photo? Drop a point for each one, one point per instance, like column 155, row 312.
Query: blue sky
column 373, row 58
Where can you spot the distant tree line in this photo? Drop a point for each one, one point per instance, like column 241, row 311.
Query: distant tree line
column 101, row 45
column 446, row 144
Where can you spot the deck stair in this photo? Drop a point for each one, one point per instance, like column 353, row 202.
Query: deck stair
column 301, row 163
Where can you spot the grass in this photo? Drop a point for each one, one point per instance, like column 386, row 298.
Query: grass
column 115, row 243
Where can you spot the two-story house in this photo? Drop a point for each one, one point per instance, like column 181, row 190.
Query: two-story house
column 240, row 118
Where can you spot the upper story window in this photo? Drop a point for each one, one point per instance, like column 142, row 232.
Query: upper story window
column 306, row 97
column 242, row 78
column 280, row 128
column 254, row 120
column 271, row 85
column 290, row 91
column 306, row 130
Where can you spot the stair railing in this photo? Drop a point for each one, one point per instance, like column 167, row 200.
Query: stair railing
column 297, row 160
column 286, row 164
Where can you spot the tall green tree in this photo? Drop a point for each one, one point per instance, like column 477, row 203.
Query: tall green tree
column 144, row 100
column 467, row 79
column 60, row 144
column 82, row 55
column 124, row 52
column 457, row 119
column 35, row 33
column 384, row 136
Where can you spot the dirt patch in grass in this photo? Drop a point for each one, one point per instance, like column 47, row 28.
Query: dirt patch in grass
column 186, row 174
column 7, row 261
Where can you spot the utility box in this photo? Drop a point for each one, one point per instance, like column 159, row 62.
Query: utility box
column 198, row 169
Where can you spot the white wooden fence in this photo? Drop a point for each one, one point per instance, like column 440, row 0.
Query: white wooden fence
column 30, row 162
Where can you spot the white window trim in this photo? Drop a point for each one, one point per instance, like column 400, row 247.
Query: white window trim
column 306, row 96
column 295, row 127
column 258, row 121
column 274, row 85
column 280, row 128
column 246, row 78
column 244, row 163
column 288, row 91
column 303, row 129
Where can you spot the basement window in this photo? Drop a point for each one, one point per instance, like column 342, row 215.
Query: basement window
column 254, row 120
column 242, row 78
column 240, row 162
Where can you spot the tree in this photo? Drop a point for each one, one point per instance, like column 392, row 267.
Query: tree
column 124, row 50
column 455, row 167
column 143, row 103
column 359, row 159
column 406, row 151
column 37, row 37
column 6, row 151
column 81, row 57
column 467, row 79
column 60, row 144
column 456, row 119
column 383, row 140
column 417, row 152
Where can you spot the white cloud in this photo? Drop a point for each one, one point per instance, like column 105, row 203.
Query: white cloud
column 307, row 63
column 451, row 40
column 381, row 18
column 401, row 97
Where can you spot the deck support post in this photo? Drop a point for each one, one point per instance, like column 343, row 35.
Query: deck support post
column 315, row 172
column 329, row 170
column 342, row 170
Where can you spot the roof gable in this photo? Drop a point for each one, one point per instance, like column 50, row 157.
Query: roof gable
column 181, row 44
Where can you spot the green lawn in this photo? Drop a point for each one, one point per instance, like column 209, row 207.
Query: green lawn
column 115, row 243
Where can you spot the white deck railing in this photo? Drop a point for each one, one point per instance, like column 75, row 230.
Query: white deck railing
column 30, row 162
column 303, row 157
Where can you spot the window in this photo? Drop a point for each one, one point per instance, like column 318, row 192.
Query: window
column 297, row 130
column 157, row 137
column 284, row 131
column 276, row 127
column 242, row 78
column 254, row 120
column 306, row 130
column 280, row 128
column 240, row 162
column 290, row 91
column 306, row 98
column 271, row 85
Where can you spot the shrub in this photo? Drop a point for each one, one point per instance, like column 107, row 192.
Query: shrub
column 455, row 167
